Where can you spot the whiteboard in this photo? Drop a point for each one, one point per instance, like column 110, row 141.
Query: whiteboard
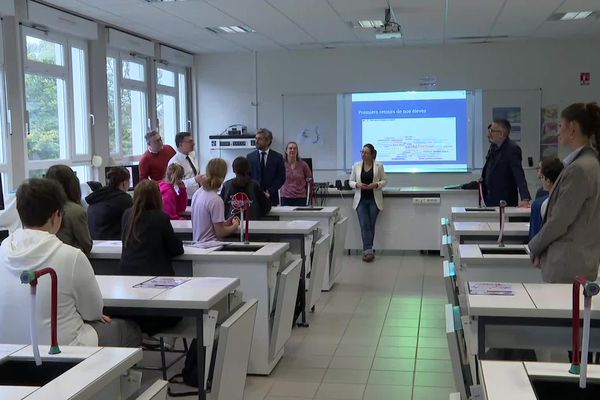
column 322, row 128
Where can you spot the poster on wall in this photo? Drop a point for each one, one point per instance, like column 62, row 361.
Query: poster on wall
column 512, row 115
column 549, row 138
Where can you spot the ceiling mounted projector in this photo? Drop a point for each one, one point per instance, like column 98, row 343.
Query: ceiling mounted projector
column 390, row 28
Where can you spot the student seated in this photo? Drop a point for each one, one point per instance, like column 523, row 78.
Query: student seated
column 550, row 169
column 107, row 205
column 74, row 230
column 208, row 210
column 173, row 191
column 243, row 183
column 40, row 204
column 149, row 244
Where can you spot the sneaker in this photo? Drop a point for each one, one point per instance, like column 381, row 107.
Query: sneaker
column 365, row 258
column 370, row 257
column 150, row 342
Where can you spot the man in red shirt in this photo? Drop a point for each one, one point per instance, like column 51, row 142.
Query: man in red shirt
column 153, row 163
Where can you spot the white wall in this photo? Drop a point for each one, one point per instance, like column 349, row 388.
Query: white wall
column 226, row 85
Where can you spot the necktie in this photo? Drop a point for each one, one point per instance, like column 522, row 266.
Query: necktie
column 263, row 159
column 192, row 165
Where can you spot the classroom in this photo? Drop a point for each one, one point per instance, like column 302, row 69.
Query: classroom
column 299, row 199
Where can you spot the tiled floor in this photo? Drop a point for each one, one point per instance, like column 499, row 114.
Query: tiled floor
column 378, row 335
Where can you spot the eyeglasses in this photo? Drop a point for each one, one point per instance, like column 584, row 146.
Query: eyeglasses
column 495, row 130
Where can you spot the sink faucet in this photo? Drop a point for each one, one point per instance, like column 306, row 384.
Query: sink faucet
column 480, row 185
column 31, row 277
column 501, row 225
column 589, row 289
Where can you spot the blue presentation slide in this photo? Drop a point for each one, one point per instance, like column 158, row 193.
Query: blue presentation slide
column 413, row 131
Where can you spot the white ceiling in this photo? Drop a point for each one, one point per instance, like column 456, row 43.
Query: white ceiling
column 298, row 24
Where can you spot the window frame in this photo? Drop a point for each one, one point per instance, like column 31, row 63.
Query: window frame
column 175, row 92
column 122, row 83
column 64, row 72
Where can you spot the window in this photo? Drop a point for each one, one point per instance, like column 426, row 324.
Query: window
column 171, row 101
column 56, row 100
column 127, row 105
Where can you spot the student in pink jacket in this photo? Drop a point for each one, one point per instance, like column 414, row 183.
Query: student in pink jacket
column 173, row 192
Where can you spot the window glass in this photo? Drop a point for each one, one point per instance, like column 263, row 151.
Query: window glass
column 165, row 77
column 166, row 111
column 46, row 103
column 80, row 103
column 44, row 51
column 133, row 122
column 133, row 70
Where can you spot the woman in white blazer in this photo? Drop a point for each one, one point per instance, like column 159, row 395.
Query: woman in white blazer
column 368, row 178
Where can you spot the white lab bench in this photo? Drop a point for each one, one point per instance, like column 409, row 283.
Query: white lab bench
column 409, row 220
column 327, row 218
column 489, row 214
column 300, row 234
column 537, row 316
column 492, row 263
column 264, row 273
column 503, row 380
column 487, row 232
column 194, row 298
column 95, row 372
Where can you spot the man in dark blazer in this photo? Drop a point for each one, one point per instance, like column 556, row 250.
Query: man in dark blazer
column 503, row 177
column 268, row 168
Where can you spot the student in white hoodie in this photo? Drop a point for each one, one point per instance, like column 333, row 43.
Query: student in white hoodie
column 40, row 205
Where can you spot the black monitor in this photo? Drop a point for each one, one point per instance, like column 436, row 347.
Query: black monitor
column 134, row 173
column 309, row 162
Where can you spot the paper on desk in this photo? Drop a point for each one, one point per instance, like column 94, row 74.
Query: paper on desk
column 491, row 288
column 203, row 245
column 161, row 283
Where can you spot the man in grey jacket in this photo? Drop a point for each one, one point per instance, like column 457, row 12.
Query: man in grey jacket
column 568, row 244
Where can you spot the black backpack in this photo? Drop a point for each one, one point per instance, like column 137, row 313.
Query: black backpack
column 189, row 373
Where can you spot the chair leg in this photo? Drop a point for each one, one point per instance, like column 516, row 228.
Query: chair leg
column 162, row 359
column 185, row 345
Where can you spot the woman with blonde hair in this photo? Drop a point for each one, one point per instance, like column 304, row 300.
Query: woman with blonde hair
column 208, row 210
column 173, row 191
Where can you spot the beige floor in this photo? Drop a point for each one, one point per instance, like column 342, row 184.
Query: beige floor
column 379, row 334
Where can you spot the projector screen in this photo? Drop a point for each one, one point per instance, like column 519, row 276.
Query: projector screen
column 425, row 131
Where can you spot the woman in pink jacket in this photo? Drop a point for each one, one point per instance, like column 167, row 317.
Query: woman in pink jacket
column 173, row 192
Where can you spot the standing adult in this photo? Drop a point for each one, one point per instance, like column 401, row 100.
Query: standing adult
column 503, row 177
column 184, row 141
column 268, row 168
column 297, row 175
column 107, row 205
column 368, row 178
column 567, row 244
column 153, row 163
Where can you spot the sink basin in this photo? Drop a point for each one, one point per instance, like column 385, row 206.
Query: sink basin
column 561, row 390
column 308, row 208
column 25, row 372
column 480, row 209
column 503, row 250
column 240, row 247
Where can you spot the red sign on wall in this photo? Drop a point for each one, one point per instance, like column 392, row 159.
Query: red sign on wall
column 584, row 78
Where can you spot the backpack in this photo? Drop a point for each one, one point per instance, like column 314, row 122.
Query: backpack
column 189, row 373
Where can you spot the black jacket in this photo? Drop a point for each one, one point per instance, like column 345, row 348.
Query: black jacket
column 151, row 254
column 260, row 204
column 503, row 176
column 105, row 210
column 274, row 173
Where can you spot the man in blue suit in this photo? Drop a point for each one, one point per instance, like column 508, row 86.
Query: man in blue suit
column 268, row 168
column 502, row 175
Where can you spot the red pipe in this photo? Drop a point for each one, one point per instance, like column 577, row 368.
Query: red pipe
column 480, row 193
column 575, row 340
column 247, row 207
column 32, row 279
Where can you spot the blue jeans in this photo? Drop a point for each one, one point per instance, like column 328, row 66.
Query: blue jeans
column 367, row 216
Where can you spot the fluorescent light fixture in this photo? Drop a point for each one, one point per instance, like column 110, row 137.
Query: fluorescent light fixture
column 574, row 15
column 369, row 24
column 231, row 29
column 389, row 35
